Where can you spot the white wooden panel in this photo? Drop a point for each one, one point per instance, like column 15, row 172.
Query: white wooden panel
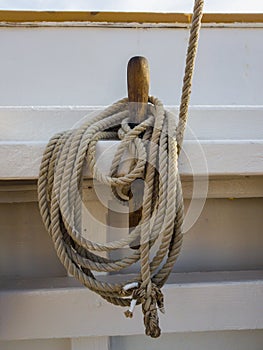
column 25, row 131
column 216, row 303
column 227, row 235
column 227, row 340
column 87, row 66
column 26, row 250
column 33, row 344
column 222, row 157
column 94, row 343
column 218, row 187
column 204, row 122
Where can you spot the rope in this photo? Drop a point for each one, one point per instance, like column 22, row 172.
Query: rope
column 155, row 146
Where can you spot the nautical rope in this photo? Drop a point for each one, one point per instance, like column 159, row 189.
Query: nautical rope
column 155, row 146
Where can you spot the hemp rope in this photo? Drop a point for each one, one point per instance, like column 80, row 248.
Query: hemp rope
column 155, row 145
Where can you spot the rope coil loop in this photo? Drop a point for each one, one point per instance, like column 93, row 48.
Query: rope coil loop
column 155, row 145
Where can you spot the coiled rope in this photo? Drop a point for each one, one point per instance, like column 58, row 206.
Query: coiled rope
column 155, row 145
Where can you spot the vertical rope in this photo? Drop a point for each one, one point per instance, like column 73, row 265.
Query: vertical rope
column 189, row 70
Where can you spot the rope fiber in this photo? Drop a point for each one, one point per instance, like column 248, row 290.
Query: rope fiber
column 155, row 145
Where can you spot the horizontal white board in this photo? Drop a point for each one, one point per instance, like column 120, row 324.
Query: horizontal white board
column 21, row 160
column 204, row 122
column 219, row 140
column 87, row 66
column 60, row 307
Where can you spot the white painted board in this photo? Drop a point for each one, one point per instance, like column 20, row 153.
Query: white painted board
column 87, row 66
column 21, row 160
column 217, row 304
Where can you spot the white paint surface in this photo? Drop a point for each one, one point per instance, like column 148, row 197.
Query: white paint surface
column 94, row 343
column 215, row 340
column 226, row 236
column 76, row 312
column 26, row 249
column 22, row 159
column 87, row 66
column 215, row 138
column 204, row 122
column 228, row 340
column 39, row 344
column 219, row 187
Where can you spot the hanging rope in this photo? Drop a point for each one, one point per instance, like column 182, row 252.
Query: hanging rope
column 155, row 146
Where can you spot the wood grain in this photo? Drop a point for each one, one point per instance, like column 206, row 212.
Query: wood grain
column 138, row 79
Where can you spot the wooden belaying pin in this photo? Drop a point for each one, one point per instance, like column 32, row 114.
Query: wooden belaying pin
column 138, row 78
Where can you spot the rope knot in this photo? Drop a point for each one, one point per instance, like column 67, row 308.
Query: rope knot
column 150, row 302
column 149, row 308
